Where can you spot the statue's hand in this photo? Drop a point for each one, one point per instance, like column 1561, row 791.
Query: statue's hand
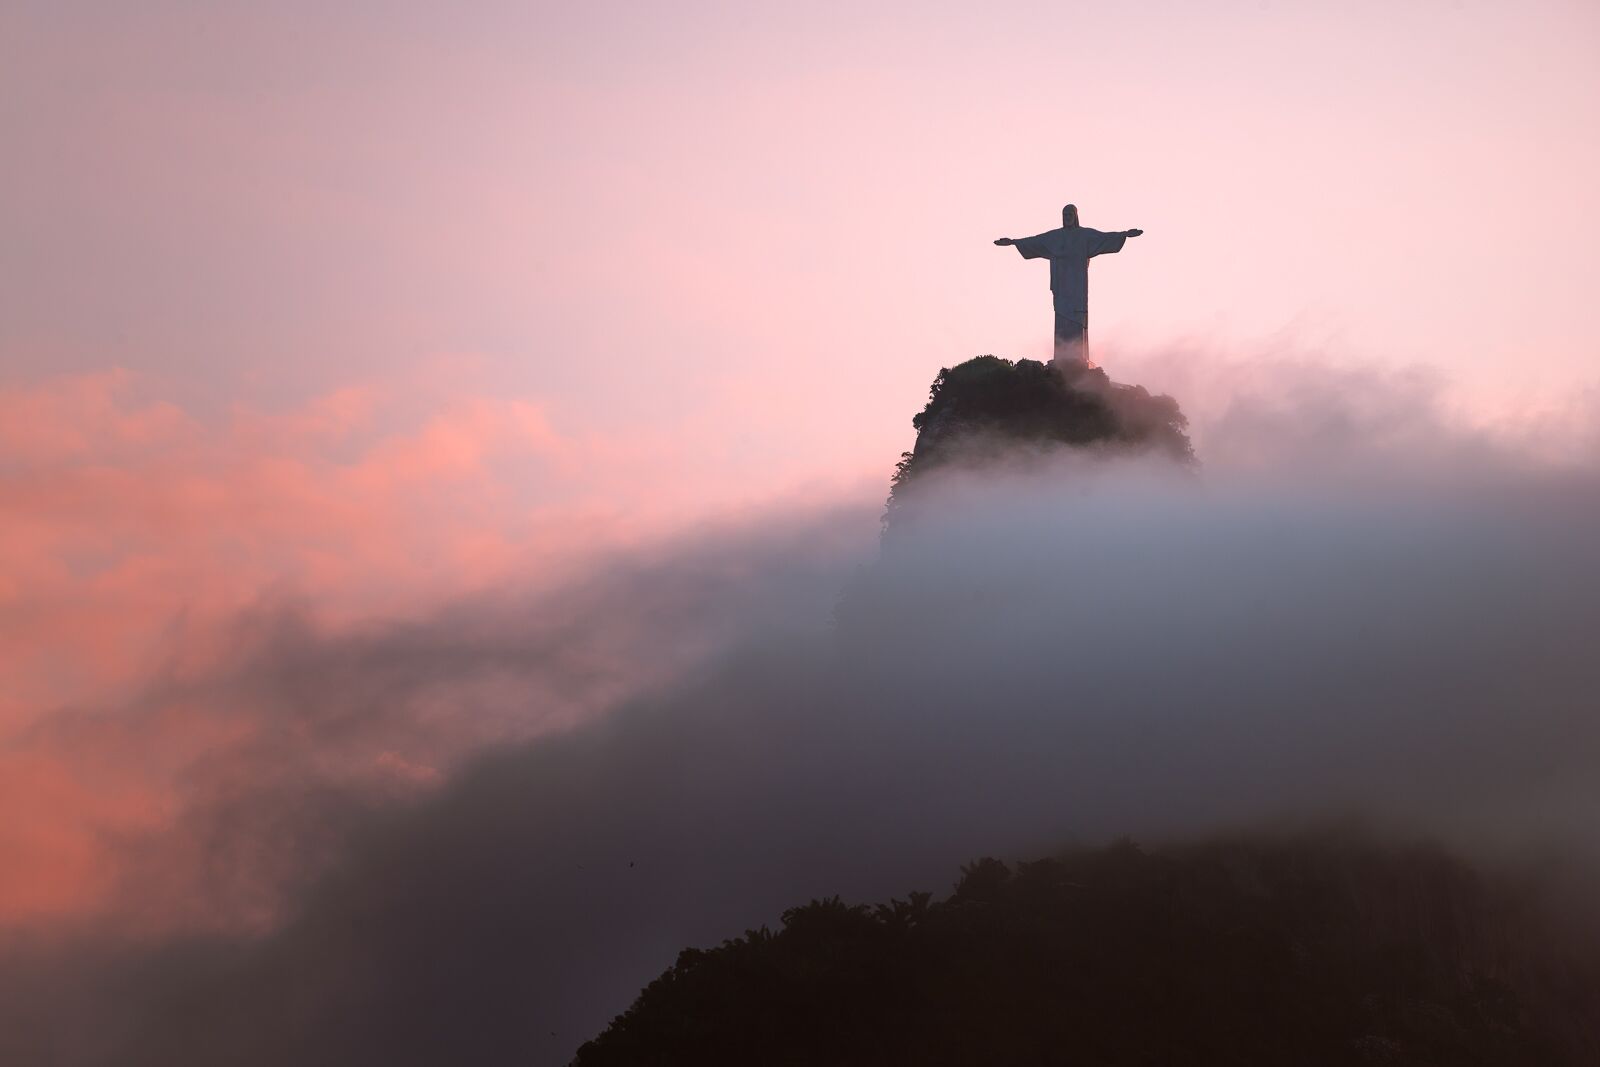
column 1135, row 233
column 1005, row 241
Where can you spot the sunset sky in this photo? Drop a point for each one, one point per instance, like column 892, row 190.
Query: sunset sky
column 367, row 306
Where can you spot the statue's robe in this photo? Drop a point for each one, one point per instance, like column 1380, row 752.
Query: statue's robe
column 1069, row 250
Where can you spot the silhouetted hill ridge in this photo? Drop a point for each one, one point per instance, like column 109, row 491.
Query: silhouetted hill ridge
column 1310, row 951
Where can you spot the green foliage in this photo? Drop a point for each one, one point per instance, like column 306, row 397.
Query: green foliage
column 990, row 407
column 983, row 881
column 1318, row 951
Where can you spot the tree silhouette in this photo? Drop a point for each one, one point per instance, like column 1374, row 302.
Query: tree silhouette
column 1322, row 950
column 988, row 408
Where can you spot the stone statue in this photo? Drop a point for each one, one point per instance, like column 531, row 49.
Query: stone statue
column 1069, row 250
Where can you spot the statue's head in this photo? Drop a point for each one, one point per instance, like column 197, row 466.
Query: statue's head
column 1069, row 215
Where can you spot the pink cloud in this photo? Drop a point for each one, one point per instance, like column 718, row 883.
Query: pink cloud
column 136, row 529
column 139, row 532
column 124, row 515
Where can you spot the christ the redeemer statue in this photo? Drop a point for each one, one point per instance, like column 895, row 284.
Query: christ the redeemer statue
column 1069, row 250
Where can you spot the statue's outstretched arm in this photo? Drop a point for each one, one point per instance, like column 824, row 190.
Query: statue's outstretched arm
column 1132, row 233
column 1005, row 241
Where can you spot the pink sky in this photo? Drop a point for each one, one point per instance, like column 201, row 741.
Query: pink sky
column 385, row 303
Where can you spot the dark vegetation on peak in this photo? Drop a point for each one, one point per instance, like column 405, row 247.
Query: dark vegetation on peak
column 988, row 406
column 1311, row 951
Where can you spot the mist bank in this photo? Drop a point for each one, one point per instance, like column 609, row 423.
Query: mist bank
column 1054, row 655
column 686, row 743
